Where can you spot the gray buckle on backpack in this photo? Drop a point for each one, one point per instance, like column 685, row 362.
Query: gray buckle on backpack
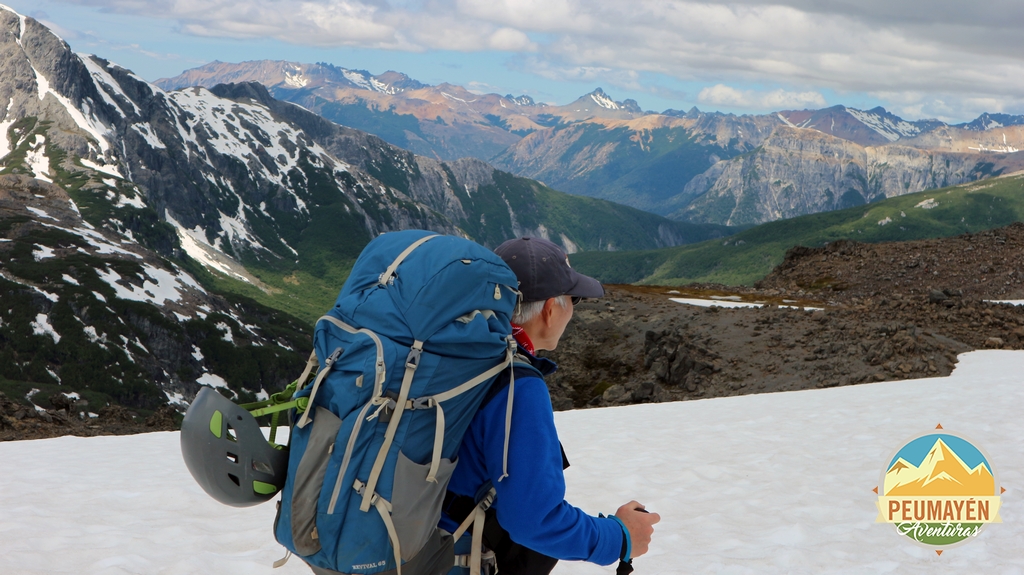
column 412, row 361
column 421, row 403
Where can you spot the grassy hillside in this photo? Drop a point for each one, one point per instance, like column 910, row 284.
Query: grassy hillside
column 747, row 256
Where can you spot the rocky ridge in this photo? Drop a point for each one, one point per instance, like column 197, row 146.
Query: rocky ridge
column 799, row 171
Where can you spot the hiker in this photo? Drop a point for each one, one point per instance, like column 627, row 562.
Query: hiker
column 530, row 526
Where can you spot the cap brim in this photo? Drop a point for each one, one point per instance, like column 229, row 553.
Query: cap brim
column 585, row 286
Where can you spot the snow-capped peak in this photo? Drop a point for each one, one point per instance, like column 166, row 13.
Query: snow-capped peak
column 602, row 99
column 890, row 127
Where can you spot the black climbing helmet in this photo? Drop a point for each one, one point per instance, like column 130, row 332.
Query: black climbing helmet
column 227, row 454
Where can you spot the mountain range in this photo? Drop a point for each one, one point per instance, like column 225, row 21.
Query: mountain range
column 690, row 166
column 192, row 197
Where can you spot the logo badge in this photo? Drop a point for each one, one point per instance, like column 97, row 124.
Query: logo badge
column 939, row 490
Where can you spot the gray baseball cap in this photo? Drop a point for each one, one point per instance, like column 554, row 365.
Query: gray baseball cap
column 544, row 272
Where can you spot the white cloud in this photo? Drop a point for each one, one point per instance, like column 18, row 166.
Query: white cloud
column 722, row 95
column 955, row 52
column 510, row 40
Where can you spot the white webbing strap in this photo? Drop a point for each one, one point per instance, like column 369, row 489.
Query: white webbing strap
column 435, row 459
column 411, row 363
column 482, row 507
column 304, row 420
column 384, row 508
column 476, row 519
column 390, row 272
column 508, row 422
column 280, row 562
column 463, row 388
column 478, row 542
column 311, row 364
column 381, row 371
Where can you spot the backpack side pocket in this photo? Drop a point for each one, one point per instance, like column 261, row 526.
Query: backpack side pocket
column 416, row 502
column 309, row 480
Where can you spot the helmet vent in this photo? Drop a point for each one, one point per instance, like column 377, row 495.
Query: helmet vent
column 235, row 479
column 232, row 458
column 262, row 467
column 232, row 436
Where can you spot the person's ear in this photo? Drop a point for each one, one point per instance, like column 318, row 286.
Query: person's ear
column 548, row 311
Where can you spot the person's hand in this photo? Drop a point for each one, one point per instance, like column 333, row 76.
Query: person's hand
column 639, row 524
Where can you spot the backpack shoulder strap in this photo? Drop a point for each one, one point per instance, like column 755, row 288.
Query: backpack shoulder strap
column 520, row 368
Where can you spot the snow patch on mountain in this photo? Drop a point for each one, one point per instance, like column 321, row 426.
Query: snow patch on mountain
column 84, row 118
column 124, row 200
column 110, row 170
column 357, row 79
column 236, row 229
column 889, row 129
column 604, row 101
column 245, row 131
column 40, row 213
column 212, row 381
column 158, row 285
column 146, row 131
column 5, row 144
column 41, row 326
column 40, row 253
column 785, row 120
column 456, row 98
column 195, row 245
column 383, row 88
column 296, row 80
column 37, row 159
column 106, row 85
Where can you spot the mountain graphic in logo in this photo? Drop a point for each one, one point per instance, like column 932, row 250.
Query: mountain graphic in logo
column 938, row 490
column 942, row 472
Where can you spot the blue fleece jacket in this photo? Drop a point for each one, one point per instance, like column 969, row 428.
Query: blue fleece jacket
column 530, row 502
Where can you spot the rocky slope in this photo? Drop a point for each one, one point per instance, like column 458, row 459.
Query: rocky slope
column 896, row 310
column 642, row 162
column 744, row 170
column 91, row 313
column 799, row 171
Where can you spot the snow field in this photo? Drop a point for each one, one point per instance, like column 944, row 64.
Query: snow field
column 781, row 483
column 776, row 483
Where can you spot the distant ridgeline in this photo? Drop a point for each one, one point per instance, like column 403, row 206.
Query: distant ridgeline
column 690, row 166
column 177, row 223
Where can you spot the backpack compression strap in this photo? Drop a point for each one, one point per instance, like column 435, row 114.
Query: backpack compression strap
column 387, row 278
column 476, row 518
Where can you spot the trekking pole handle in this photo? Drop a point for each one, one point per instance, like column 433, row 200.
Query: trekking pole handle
column 626, row 567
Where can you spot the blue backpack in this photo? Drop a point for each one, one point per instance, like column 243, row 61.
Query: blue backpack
column 406, row 356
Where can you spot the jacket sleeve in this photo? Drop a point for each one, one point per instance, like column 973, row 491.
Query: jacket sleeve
column 530, row 502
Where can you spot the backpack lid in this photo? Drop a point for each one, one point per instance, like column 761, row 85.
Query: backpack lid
column 440, row 280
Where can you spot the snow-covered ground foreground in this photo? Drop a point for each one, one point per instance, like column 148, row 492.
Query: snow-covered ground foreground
column 777, row 483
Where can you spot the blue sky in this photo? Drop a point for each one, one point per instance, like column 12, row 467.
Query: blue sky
column 940, row 58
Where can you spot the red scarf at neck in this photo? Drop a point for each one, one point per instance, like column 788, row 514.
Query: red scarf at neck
column 523, row 339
